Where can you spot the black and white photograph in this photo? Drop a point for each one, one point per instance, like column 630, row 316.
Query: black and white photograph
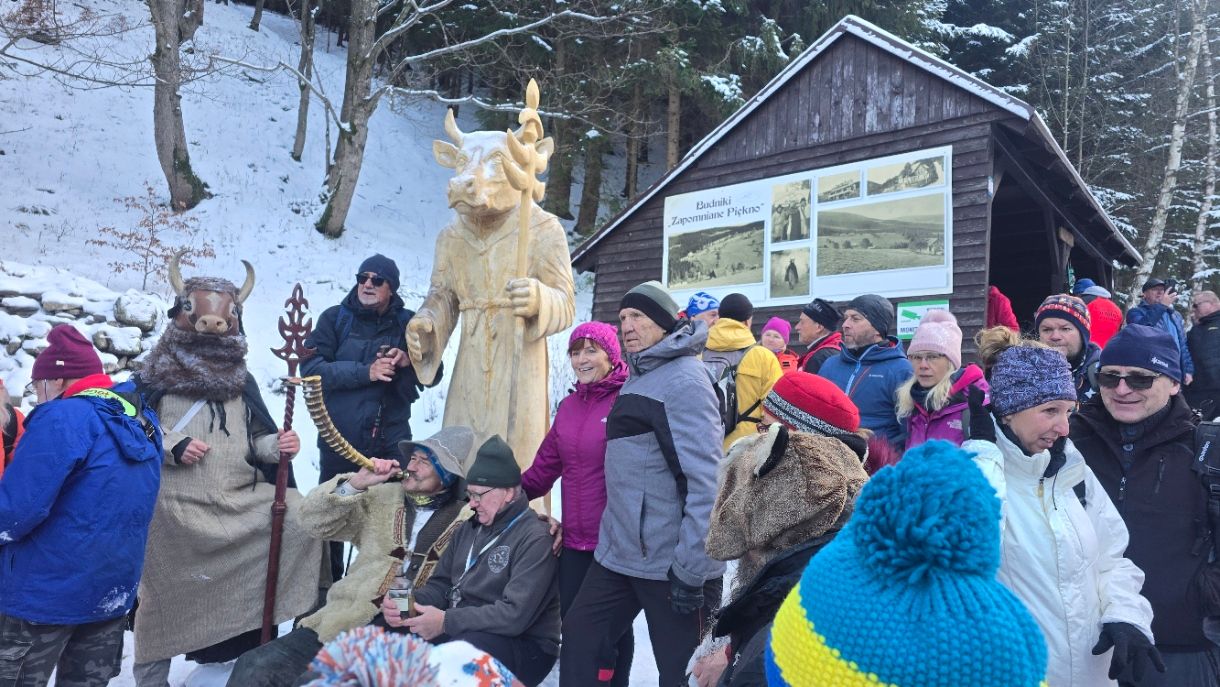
column 790, row 211
column 720, row 256
column 790, row 272
column 905, row 176
column 834, row 187
column 885, row 235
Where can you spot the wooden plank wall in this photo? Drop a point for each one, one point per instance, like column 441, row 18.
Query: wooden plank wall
column 854, row 102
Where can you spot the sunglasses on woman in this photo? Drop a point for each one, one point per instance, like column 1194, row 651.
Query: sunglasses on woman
column 1110, row 380
column 377, row 281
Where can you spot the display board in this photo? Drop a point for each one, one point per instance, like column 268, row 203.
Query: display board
column 878, row 226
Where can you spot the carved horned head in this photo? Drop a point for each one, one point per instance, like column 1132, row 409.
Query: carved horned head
column 208, row 305
column 484, row 165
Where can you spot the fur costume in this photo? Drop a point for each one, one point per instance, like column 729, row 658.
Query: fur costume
column 197, row 365
column 778, row 490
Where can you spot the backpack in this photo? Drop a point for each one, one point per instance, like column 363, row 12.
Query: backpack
column 1207, row 467
column 725, row 385
column 343, row 323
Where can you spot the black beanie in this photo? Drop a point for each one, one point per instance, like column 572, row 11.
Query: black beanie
column 877, row 310
column 736, row 306
column 823, row 313
column 383, row 267
column 494, row 465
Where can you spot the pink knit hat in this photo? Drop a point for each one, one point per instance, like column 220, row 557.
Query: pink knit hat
column 69, row 355
column 780, row 326
column 938, row 333
column 602, row 334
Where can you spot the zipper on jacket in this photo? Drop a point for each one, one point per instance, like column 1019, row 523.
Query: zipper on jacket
column 643, row 546
column 1122, row 490
column 1040, row 481
column 1160, row 473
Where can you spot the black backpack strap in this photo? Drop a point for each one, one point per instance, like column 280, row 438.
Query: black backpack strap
column 1207, row 466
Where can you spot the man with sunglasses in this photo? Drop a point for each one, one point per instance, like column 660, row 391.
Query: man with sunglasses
column 368, row 383
column 1138, row 437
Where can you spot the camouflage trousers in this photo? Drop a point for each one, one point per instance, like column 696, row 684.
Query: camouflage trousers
column 85, row 655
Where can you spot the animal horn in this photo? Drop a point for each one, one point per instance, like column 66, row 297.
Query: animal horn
column 175, row 274
column 451, row 127
column 248, row 285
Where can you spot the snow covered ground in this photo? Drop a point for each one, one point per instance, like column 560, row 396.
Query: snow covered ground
column 69, row 155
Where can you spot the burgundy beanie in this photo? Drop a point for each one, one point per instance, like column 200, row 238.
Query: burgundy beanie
column 601, row 334
column 69, row 356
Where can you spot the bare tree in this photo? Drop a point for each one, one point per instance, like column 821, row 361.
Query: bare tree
column 1201, row 243
column 305, row 69
column 1169, row 182
column 258, row 15
column 174, row 23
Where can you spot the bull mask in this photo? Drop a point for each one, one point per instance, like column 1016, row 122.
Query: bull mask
column 208, row 305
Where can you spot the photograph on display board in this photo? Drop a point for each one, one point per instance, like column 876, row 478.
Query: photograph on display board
column 790, row 211
column 906, row 176
column 884, row 235
column 720, row 256
column 832, row 187
column 790, row 273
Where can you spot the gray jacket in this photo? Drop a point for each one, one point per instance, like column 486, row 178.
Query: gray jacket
column 511, row 589
column 663, row 445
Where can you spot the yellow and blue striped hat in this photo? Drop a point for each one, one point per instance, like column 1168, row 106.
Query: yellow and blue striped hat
column 906, row 595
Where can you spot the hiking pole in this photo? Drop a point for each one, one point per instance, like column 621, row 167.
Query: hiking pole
column 295, row 329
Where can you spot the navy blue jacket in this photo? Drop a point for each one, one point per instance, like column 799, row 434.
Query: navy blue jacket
column 75, row 505
column 346, row 345
column 870, row 380
column 1166, row 318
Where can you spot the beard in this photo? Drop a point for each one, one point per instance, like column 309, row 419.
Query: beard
column 197, row 365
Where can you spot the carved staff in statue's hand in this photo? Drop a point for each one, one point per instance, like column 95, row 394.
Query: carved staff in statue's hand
column 524, row 178
column 295, row 329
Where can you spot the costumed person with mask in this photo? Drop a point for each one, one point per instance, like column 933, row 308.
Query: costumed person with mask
column 1063, row 323
column 368, row 382
column 206, row 563
column 784, row 494
column 74, row 511
column 933, row 403
column 906, row 595
column 396, row 527
column 1063, row 541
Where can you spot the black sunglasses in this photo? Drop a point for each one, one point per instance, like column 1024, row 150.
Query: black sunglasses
column 377, row 281
column 1110, row 380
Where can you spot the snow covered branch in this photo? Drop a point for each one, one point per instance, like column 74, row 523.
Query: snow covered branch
column 301, row 78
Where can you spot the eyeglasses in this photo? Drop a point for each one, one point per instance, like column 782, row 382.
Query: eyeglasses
column 376, row 279
column 924, row 357
column 477, row 496
column 1110, row 380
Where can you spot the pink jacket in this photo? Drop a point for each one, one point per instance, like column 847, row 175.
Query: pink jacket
column 948, row 423
column 575, row 448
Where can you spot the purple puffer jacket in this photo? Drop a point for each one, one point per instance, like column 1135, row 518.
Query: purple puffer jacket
column 949, row 422
column 576, row 449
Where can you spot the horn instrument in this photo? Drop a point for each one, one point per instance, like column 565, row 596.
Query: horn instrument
column 311, row 389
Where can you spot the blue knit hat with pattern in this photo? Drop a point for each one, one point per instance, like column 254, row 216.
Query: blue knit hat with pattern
column 907, row 594
column 1024, row 377
column 701, row 302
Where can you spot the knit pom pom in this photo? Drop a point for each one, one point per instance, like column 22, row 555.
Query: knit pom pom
column 938, row 315
column 368, row 656
column 934, row 512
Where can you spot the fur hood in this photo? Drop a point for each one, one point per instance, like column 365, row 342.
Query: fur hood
column 196, row 365
column 778, row 490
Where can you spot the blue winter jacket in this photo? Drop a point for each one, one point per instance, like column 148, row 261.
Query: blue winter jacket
column 75, row 505
column 1166, row 318
column 870, row 380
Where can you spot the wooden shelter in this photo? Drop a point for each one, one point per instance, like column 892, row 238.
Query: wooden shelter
column 863, row 102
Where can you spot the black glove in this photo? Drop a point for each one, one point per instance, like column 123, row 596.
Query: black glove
column 981, row 426
column 684, row 598
column 1131, row 650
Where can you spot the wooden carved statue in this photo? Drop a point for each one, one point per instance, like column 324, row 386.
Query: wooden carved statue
column 502, row 273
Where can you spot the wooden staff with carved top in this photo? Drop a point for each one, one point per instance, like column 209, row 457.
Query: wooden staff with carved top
column 295, row 329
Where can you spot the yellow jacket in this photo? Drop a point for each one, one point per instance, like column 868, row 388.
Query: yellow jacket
column 756, row 374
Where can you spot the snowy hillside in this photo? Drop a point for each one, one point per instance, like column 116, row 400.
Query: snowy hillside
column 69, row 156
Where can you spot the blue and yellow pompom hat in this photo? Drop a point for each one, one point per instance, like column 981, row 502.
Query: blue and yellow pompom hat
column 907, row 594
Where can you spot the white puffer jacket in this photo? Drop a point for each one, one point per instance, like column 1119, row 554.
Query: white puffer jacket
column 1074, row 580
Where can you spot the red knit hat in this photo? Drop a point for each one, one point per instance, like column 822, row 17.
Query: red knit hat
column 69, row 356
column 809, row 403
